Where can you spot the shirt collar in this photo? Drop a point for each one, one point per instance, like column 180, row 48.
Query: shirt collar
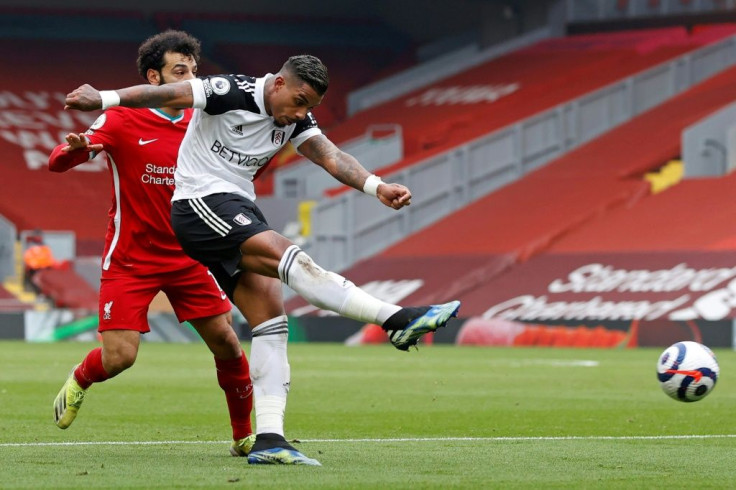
column 260, row 93
column 162, row 114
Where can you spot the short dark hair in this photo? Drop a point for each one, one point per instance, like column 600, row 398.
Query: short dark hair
column 310, row 70
column 151, row 52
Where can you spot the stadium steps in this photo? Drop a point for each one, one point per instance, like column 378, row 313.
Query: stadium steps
column 14, row 298
column 15, row 288
column 670, row 174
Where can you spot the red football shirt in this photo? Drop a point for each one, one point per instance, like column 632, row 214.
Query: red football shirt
column 142, row 147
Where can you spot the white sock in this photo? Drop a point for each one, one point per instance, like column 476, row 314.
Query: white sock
column 270, row 373
column 330, row 291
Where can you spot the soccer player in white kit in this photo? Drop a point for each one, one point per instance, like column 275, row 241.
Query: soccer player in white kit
column 239, row 123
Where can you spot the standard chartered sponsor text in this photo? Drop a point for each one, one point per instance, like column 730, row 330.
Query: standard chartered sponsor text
column 528, row 307
column 158, row 175
column 599, row 278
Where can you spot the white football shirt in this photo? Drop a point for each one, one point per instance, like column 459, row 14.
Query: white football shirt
column 231, row 137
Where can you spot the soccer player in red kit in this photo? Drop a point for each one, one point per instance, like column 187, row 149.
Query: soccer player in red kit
column 141, row 255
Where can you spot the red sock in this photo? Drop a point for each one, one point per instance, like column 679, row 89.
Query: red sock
column 234, row 378
column 91, row 370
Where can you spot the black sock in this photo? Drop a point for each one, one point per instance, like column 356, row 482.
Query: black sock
column 400, row 319
column 268, row 440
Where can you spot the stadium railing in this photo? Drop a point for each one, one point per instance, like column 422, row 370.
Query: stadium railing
column 587, row 10
column 7, row 248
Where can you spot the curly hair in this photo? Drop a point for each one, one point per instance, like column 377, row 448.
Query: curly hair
column 309, row 69
column 151, row 52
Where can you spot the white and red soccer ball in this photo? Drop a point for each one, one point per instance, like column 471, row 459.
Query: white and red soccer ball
column 687, row 371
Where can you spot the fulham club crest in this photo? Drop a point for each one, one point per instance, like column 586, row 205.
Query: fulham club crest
column 277, row 137
column 242, row 219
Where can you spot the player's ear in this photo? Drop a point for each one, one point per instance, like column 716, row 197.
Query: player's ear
column 279, row 82
column 153, row 76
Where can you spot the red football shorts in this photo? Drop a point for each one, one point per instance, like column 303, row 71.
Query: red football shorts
column 125, row 298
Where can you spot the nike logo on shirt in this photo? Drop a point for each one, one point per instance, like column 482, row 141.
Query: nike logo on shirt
column 142, row 142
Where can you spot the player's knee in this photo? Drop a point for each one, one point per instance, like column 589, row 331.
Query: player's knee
column 220, row 338
column 119, row 358
column 226, row 341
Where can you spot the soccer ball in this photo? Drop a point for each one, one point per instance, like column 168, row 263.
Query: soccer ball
column 687, row 371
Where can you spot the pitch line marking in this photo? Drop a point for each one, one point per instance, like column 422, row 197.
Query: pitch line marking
column 397, row 439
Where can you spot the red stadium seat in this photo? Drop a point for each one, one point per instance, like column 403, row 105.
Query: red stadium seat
column 66, row 288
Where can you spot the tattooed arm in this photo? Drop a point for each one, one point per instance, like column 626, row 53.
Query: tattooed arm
column 177, row 95
column 348, row 170
column 341, row 165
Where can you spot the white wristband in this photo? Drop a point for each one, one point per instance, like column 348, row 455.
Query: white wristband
column 371, row 185
column 110, row 98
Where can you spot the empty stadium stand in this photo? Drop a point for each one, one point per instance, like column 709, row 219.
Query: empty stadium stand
column 593, row 202
column 33, row 122
column 518, row 85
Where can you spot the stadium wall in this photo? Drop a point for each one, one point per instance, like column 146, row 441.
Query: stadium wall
column 62, row 325
column 709, row 146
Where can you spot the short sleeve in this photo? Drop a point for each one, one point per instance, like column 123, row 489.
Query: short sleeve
column 219, row 94
column 305, row 129
column 105, row 127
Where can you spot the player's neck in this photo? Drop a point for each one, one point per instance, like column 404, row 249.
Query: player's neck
column 171, row 111
column 267, row 89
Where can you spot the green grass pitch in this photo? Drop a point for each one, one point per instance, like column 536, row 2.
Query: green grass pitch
column 442, row 417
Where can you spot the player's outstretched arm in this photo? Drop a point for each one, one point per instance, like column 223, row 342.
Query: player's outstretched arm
column 87, row 98
column 80, row 142
column 348, row 170
column 77, row 151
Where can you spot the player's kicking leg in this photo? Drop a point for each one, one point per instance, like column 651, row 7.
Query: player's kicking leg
column 331, row 291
